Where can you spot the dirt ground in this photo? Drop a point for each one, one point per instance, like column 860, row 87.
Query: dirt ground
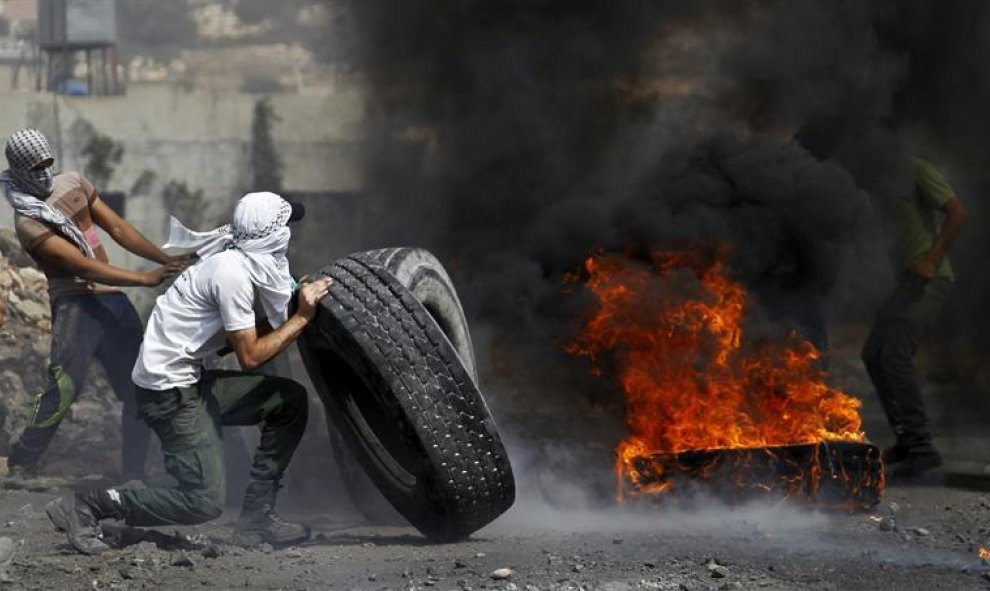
column 917, row 538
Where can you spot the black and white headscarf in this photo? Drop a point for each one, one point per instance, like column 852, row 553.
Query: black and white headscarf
column 260, row 232
column 26, row 189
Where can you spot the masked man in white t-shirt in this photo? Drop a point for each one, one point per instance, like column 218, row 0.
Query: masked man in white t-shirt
column 211, row 304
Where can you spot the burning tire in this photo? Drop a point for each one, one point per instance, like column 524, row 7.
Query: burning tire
column 403, row 401
column 419, row 271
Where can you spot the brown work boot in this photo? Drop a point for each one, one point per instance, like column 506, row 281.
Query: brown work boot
column 79, row 515
column 258, row 516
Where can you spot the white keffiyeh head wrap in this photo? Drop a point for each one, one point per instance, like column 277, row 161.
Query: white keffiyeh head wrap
column 260, row 233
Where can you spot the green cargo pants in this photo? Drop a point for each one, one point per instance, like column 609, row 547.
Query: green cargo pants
column 188, row 422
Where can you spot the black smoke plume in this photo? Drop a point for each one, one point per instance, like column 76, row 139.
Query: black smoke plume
column 515, row 138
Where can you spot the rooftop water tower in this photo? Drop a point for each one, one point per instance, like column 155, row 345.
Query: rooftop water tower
column 68, row 28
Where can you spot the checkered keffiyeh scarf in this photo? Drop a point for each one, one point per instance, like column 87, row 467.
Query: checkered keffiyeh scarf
column 23, row 187
column 260, row 233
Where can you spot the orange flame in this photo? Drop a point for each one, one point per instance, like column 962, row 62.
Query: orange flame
column 984, row 554
column 676, row 332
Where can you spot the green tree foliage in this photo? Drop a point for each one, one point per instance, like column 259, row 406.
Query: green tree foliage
column 266, row 165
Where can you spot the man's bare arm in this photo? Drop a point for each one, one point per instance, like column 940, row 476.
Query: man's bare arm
column 952, row 226
column 66, row 256
column 126, row 235
column 253, row 351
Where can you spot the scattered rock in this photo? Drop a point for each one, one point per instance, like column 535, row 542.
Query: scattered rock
column 130, row 573
column 265, row 548
column 576, row 568
column 480, row 555
column 458, row 563
column 888, row 524
column 920, row 531
column 617, row 540
column 180, row 558
column 212, row 551
column 650, row 564
column 717, row 571
column 501, row 574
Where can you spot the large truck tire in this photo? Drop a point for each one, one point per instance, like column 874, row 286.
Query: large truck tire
column 405, row 404
column 425, row 277
column 419, row 271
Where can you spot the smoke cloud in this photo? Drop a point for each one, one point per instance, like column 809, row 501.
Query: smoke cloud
column 515, row 138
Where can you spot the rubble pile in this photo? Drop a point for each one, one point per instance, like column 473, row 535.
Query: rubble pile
column 88, row 441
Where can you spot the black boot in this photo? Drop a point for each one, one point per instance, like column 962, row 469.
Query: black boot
column 259, row 517
column 919, row 465
column 79, row 515
column 895, row 454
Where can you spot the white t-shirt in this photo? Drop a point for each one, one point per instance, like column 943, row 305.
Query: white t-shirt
column 190, row 321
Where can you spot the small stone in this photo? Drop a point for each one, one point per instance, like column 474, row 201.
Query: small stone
column 372, row 577
column 501, row 574
column 480, row 555
column 920, row 531
column 265, row 547
column 717, row 570
column 577, row 568
column 458, row 563
column 212, row 551
column 650, row 564
column 888, row 524
column 893, row 507
column 180, row 558
column 617, row 540
column 146, row 547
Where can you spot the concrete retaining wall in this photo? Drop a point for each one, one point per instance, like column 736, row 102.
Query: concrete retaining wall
column 201, row 138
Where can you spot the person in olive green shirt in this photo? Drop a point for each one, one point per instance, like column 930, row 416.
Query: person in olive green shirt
column 908, row 316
